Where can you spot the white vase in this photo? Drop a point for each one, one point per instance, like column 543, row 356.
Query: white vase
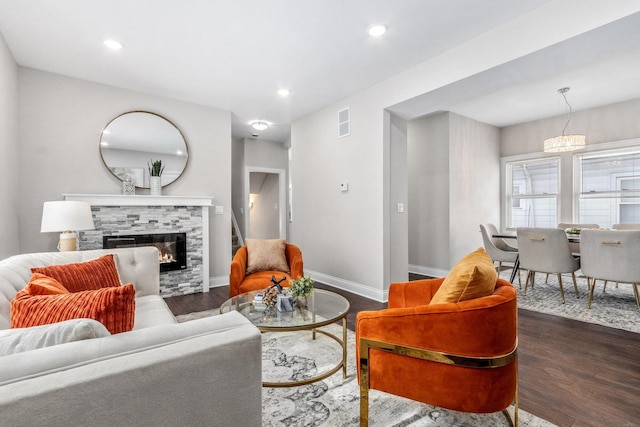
column 155, row 185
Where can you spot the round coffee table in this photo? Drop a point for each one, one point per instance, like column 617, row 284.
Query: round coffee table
column 323, row 308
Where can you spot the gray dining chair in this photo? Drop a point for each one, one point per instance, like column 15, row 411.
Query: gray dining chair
column 625, row 227
column 499, row 250
column 611, row 255
column 546, row 250
column 575, row 247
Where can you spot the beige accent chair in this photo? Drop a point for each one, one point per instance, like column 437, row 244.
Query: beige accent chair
column 546, row 250
column 611, row 255
column 499, row 250
column 575, row 247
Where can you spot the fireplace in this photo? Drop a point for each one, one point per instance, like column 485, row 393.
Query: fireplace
column 172, row 247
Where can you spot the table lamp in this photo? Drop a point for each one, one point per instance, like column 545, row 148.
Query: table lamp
column 66, row 217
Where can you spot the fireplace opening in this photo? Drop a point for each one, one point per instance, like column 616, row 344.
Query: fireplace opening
column 172, row 247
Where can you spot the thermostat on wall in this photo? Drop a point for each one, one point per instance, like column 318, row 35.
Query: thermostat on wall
column 344, row 186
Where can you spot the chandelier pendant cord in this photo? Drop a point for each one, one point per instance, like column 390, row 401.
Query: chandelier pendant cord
column 562, row 92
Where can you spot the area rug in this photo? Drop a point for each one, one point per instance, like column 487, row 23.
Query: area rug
column 334, row 401
column 615, row 308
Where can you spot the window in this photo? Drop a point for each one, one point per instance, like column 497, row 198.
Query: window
column 608, row 185
column 532, row 193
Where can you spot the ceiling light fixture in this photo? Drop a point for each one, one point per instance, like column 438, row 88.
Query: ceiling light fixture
column 563, row 143
column 377, row 30
column 113, row 44
column 283, row 92
column 260, row 125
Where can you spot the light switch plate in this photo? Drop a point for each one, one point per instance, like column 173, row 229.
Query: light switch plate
column 400, row 208
column 219, row 210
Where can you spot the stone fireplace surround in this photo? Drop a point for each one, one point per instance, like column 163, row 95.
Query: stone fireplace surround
column 115, row 214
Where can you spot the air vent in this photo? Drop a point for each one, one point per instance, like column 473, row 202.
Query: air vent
column 344, row 126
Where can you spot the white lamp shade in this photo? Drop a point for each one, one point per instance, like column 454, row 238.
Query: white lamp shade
column 61, row 216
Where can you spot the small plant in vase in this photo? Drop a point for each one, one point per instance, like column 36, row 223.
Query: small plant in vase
column 155, row 177
column 302, row 288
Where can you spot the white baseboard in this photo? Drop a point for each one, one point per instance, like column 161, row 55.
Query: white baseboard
column 353, row 287
column 427, row 271
column 216, row 282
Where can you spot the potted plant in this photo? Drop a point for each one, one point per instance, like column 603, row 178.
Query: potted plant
column 155, row 176
column 302, row 288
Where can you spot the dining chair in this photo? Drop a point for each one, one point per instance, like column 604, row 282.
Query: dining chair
column 625, row 227
column 611, row 255
column 499, row 250
column 575, row 247
column 546, row 250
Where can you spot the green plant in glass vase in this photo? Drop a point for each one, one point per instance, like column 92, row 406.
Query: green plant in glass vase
column 302, row 288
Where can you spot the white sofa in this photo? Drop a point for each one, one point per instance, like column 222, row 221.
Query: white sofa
column 201, row 372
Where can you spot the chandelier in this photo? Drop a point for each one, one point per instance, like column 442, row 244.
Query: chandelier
column 562, row 143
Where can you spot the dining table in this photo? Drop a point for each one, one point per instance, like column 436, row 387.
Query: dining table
column 572, row 238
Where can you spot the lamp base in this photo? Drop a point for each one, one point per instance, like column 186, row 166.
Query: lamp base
column 68, row 242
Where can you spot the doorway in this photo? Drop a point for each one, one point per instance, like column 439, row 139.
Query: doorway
column 266, row 203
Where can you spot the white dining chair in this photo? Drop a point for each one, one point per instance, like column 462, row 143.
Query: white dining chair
column 546, row 250
column 499, row 250
column 611, row 255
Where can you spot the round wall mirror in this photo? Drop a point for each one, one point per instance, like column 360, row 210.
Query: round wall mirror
column 133, row 140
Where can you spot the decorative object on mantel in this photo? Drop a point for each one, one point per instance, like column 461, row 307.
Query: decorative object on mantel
column 562, row 143
column 66, row 217
column 155, row 177
column 128, row 186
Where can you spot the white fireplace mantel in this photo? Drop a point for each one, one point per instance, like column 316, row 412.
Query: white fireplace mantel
column 139, row 200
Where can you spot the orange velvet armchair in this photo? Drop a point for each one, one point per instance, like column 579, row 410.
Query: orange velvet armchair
column 460, row 356
column 241, row 282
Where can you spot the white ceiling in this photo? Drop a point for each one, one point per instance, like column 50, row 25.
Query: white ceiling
column 235, row 55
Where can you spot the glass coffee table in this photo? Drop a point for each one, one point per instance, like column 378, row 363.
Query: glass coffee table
column 323, row 308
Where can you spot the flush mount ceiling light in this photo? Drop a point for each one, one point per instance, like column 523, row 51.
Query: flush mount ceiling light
column 377, row 30
column 283, row 92
column 260, row 125
column 563, row 143
column 113, row 44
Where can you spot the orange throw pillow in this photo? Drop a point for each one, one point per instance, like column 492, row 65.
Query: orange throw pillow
column 474, row 276
column 114, row 307
column 83, row 276
column 44, row 285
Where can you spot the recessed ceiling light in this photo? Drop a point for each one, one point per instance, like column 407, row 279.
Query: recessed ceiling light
column 113, row 44
column 377, row 30
column 179, row 153
column 260, row 125
column 283, row 92
column 104, row 143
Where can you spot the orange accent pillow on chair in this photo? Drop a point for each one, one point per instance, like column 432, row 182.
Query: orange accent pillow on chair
column 83, row 276
column 114, row 307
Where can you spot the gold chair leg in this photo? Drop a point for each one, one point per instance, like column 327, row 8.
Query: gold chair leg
column 561, row 290
column 575, row 284
column 637, row 294
column 593, row 286
column 526, row 282
column 604, row 290
column 513, row 420
column 546, row 278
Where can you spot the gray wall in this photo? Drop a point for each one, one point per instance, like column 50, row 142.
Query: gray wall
column 454, row 185
column 60, row 121
column 9, row 144
column 237, row 183
column 428, row 170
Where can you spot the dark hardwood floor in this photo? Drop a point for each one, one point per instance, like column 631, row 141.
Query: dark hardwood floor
column 570, row 373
